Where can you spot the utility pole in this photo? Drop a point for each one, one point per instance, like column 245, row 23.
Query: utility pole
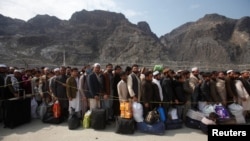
column 64, row 62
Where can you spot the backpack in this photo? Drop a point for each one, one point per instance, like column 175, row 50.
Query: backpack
column 152, row 117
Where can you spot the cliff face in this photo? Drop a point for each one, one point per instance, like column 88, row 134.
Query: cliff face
column 96, row 36
column 108, row 37
column 211, row 39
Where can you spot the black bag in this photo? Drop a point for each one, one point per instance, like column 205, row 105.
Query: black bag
column 125, row 126
column 204, row 128
column 192, row 123
column 16, row 112
column 173, row 124
column 152, row 117
column 98, row 119
column 48, row 117
column 73, row 120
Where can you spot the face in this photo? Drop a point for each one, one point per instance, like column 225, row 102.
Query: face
column 2, row 69
column 63, row 70
column 68, row 70
column 135, row 69
column 109, row 68
column 118, row 70
column 150, row 77
column 97, row 69
column 221, row 75
column 196, row 73
column 158, row 77
column 124, row 77
column 245, row 75
column 74, row 73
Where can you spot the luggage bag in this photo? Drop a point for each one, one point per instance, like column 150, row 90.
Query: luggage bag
column 98, row 119
column 16, row 112
column 173, row 124
column 157, row 128
column 125, row 126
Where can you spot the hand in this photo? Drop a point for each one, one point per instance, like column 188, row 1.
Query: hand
column 84, row 98
column 16, row 94
column 96, row 97
column 244, row 99
column 105, row 96
column 135, row 99
column 176, row 101
column 64, row 84
column 70, row 98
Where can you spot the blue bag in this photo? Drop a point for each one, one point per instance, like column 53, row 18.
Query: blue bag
column 162, row 114
column 157, row 128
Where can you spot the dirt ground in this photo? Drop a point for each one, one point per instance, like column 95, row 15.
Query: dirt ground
column 38, row 131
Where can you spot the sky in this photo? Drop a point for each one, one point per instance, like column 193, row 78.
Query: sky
column 163, row 16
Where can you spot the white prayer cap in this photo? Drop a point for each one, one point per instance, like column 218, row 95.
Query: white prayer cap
column 56, row 69
column 244, row 71
column 46, row 68
column 179, row 71
column 3, row 66
column 16, row 70
column 11, row 68
column 156, row 73
column 194, row 69
column 96, row 65
column 229, row 71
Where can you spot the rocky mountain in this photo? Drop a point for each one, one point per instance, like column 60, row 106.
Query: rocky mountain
column 213, row 39
column 108, row 37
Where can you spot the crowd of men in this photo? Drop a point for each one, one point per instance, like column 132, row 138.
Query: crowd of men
column 96, row 87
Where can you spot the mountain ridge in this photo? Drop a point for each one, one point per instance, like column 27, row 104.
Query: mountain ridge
column 108, row 37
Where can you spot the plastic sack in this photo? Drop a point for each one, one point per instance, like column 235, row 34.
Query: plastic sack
column 73, row 120
column 56, row 109
column 173, row 113
column 221, row 111
column 207, row 109
column 42, row 109
column 158, row 68
column 86, row 119
column 237, row 111
column 137, row 112
column 34, row 106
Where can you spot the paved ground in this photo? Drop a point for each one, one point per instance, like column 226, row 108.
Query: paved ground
column 38, row 131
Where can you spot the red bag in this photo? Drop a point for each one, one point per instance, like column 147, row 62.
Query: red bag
column 56, row 109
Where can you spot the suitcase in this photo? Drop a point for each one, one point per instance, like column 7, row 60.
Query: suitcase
column 16, row 112
column 192, row 123
column 157, row 128
column 173, row 124
column 98, row 119
column 196, row 115
column 124, row 126
column 226, row 121
column 204, row 128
